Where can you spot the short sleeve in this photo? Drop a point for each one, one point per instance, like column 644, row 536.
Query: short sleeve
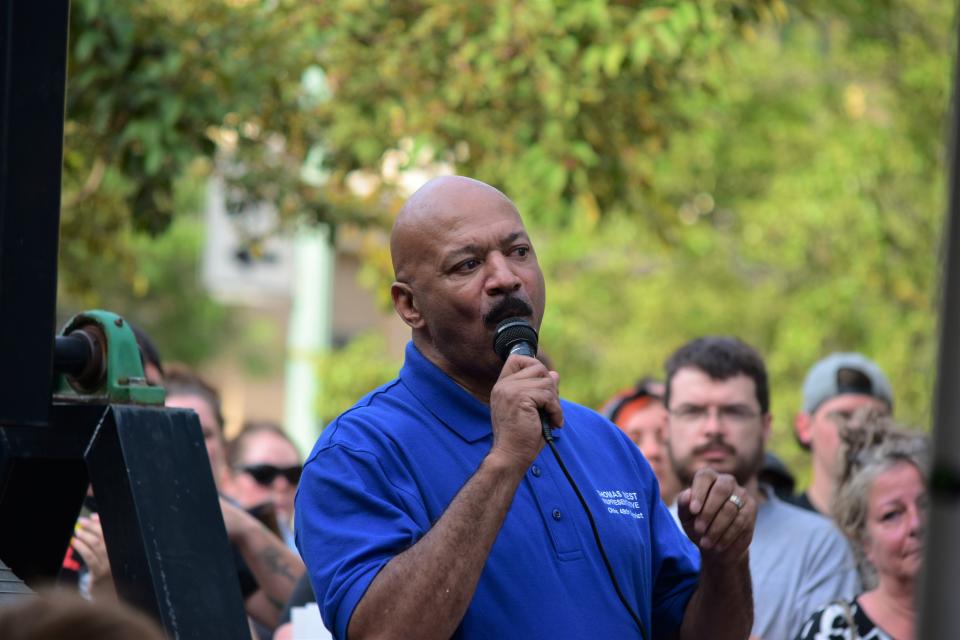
column 351, row 520
column 829, row 575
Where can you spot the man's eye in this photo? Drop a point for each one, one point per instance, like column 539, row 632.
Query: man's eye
column 521, row 251
column 468, row 265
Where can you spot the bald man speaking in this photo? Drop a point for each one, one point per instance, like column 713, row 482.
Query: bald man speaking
column 432, row 508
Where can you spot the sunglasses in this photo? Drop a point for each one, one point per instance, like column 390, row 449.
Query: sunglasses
column 265, row 474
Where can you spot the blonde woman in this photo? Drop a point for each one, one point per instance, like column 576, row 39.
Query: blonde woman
column 881, row 507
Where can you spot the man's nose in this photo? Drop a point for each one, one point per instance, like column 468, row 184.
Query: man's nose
column 712, row 423
column 500, row 275
column 651, row 446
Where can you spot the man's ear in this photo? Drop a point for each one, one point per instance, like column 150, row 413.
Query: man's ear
column 767, row 424
column 801, row 429
column 406, row 305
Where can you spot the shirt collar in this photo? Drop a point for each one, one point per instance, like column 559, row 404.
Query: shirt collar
column 447, row 401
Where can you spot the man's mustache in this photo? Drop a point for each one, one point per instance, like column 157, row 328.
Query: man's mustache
column 715, row 443
column 508, row 307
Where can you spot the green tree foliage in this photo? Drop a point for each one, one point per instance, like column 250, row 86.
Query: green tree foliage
column 154, row 85
column 561, row 103
column 162, row 94
column 765, row 168
column 687, row 169
column 810, row 198
column 159, row 289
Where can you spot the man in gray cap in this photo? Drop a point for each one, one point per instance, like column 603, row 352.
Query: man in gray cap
column 834, row 389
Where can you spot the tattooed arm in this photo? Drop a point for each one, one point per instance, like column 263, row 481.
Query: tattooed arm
column 275, row 566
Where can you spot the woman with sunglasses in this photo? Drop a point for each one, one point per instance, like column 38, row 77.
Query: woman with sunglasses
column 264, row 472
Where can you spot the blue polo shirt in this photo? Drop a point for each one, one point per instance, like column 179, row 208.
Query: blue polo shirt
column 384, row 471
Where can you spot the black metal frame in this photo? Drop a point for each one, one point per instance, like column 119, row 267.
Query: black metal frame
column 33, row 68
column 148, row 466
column 149, row 470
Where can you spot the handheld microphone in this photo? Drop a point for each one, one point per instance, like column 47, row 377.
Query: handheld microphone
column 516, row 336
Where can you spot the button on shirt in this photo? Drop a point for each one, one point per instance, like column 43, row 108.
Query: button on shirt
column 384, row 471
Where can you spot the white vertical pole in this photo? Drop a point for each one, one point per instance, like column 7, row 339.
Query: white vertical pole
column 309, row 332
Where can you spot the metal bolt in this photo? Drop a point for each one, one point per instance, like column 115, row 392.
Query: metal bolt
column 118, row 322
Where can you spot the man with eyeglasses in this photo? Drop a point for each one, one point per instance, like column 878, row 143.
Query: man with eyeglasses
column 833, row 390
column 718, row 401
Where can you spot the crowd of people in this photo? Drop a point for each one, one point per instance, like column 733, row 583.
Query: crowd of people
column 467, row 499
column 256, row 474
column 718, row 416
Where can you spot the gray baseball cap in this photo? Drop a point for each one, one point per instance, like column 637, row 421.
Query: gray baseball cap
column 842, row 373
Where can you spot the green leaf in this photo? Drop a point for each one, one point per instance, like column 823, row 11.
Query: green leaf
column 640, row 51
column 613, row 58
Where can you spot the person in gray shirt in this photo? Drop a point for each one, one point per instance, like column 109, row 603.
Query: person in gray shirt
column 718, row 400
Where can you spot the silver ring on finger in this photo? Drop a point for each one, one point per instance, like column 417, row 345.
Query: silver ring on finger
column 737, row 501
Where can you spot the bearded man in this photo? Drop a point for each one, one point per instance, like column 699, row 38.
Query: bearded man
column 719, row 406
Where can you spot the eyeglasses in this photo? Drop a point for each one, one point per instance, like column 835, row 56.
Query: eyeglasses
column 265, row 474
column 733, row 414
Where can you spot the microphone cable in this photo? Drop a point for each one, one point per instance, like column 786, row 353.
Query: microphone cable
column 548, row 436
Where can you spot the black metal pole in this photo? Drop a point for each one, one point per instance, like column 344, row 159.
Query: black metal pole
column 939, row 613
column 33, row 72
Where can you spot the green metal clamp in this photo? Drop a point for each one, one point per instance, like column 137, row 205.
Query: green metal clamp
column 115, row 373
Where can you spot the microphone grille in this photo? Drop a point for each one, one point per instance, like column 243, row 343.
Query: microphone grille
column 511, row 331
